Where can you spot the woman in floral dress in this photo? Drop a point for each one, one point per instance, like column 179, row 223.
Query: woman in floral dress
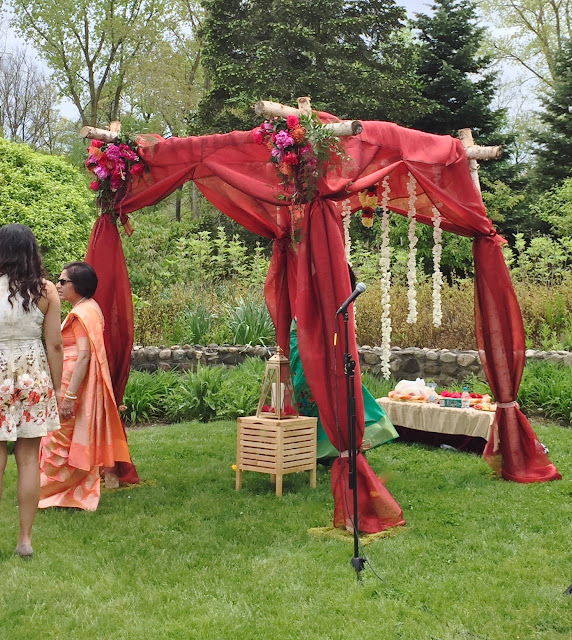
column 29, row 307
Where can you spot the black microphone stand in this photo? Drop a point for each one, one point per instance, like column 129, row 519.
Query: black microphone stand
column 349, row 370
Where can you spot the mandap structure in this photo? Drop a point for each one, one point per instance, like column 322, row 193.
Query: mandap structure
column 308, row 275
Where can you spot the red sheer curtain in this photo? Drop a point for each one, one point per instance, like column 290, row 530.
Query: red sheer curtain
column 308, row 280
column 513, row 447
column 113, row 294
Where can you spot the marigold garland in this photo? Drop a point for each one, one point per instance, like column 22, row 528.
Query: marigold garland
column 368, row 201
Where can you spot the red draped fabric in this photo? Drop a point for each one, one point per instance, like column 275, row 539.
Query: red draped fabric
column 512, row 448
column 309, row 278
column 113, row 294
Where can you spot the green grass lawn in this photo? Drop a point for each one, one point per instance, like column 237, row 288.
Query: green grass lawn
column 185, row 556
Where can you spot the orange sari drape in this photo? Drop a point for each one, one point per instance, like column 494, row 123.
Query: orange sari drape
column 70, row 458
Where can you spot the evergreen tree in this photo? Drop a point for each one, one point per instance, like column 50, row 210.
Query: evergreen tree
column 554, row 157
column 456, row 78
column 354, row 59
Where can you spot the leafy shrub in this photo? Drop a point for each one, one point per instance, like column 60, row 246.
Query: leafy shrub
column 457, row 330
column 547, row 388
column 197, row 397
column 241, row 389
column 192, row 326
column 546, row 313
column 249, row 323
column 378, row 387
column 145, row 395
column 51, row 197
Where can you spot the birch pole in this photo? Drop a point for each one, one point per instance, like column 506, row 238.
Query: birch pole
column 267, row 109
column 475, row 152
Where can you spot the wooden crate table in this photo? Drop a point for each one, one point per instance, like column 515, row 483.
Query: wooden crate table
column 276, row 447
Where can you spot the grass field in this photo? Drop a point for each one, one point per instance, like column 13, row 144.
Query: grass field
column 184, row 556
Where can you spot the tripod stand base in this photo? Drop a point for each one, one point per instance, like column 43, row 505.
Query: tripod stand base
column 357, row 564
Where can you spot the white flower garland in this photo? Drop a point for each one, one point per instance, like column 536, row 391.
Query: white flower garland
column 411, row 261
column 437, row 275
column 346, row 219
column 385, row 263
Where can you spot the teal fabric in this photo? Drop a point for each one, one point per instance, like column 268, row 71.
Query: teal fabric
column 378, row 427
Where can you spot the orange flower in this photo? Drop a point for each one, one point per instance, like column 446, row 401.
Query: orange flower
column 95, row 152
column 285, row 169
column 297, row 134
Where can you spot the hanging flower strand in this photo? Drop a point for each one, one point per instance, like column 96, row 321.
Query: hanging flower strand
column 385, row 263
column 346, row 218
column 411, row 261
column 437, row 275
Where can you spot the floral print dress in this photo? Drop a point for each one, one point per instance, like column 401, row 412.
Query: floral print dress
column 28, row 407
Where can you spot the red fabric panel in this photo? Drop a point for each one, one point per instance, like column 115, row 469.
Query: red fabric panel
column 323, row 285
column 512, row 448
column 113, row 294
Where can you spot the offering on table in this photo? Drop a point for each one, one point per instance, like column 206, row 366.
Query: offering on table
column 411, row 391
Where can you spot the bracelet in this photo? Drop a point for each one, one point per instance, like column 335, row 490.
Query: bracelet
column 69, row 396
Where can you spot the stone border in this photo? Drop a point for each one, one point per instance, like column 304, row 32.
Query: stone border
column 444, row 366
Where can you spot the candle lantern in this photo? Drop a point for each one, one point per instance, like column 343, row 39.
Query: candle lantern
column 277, row 395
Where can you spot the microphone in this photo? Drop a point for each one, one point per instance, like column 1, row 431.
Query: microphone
column 360, row 288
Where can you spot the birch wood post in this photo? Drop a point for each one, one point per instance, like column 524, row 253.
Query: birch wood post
column 267, row 109
column 93, row 133
column 475, row 152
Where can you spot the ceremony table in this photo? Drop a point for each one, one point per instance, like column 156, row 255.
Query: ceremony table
column 466, row 429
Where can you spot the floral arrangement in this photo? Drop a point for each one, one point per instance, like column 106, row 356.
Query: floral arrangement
column 299, row 148
column 114, row 165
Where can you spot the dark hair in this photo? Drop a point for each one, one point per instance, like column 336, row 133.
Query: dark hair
column 83, row 278
column 20, row 260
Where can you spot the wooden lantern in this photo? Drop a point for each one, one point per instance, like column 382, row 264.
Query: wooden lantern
column 277, row 396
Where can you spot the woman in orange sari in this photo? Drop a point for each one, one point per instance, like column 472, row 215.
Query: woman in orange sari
column 91, row 435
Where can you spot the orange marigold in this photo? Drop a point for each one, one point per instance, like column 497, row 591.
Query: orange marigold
column 297, row 133
column 285, row 169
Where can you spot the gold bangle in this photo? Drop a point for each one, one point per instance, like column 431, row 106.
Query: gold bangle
column 69, row 396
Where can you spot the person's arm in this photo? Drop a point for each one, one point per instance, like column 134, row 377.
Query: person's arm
column 78, row 374
column 53, row 334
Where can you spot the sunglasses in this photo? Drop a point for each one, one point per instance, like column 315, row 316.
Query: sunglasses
column 63, row 281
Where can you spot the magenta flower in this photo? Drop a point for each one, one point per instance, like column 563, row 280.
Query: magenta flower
column 101, row 172
column 113, row 152
column 283, row 139
column 292, row 121
column 258, row 135
column 290, row 158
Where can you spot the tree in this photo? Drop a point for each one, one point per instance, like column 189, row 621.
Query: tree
column 92, row 46
column 28, row 104
column 554, row 157
column 532, row 33
column 354, row 59
column 456, row 78
column 51, row 197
